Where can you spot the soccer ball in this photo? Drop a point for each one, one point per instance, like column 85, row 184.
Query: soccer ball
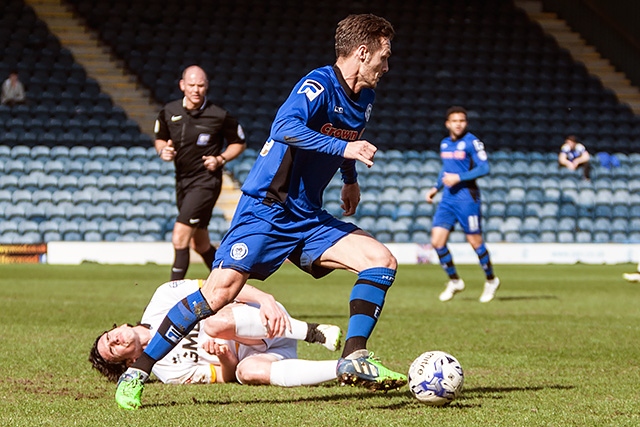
column 436, row 378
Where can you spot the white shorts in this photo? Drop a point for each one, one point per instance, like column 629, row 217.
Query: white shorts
column 280, row 348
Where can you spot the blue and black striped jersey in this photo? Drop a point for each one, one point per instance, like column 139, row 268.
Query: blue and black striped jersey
column 307, row 141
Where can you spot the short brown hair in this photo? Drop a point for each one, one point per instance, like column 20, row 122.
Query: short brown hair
column 366, row 29
column 572, row 138
column 455, row 109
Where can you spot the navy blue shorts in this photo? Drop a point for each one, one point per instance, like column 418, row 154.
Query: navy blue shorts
column 262, row 236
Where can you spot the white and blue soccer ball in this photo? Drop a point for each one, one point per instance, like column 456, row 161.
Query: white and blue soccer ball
column 436, row 378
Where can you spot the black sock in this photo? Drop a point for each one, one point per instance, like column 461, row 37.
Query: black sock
column 180, row 264
column 208, row 256
column 314, row 335
column 352, row 344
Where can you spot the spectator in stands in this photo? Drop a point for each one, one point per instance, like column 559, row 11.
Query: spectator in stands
column 463, row 161
column 632, row 277
column 13, row 90
column 574, row 155
column 192, row 133
column 230, row 346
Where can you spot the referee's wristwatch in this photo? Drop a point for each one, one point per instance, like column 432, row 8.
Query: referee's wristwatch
column 224, row 161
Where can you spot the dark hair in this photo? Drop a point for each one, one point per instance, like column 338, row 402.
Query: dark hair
column 111, row 370
column 365, row 28
column 573, row 138
column 455, row 109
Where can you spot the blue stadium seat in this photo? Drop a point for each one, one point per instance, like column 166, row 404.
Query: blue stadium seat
column 59, row 196
column 424, row 209
column 135, row 212
column 141, row 196
column 129, row 227
column 565, row 237
column 121, row 197
column 115, row 213
column 601, row 224
column 603, row 211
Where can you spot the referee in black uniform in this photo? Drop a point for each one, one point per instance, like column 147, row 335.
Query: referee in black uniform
column 192, row 132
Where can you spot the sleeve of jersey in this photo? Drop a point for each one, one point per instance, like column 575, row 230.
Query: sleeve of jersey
column 439, row 183
column 348, row 171
column 481, row 167
column 233, row 132
column 290, row 125
column 160, row 128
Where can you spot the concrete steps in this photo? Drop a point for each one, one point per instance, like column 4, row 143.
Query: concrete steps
column 582, row 52
column 123, row 88
column 97, row 60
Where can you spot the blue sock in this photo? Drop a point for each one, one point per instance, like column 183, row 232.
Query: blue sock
column 446, row 262
column 365, row 305
column 485, row 261
column 179, row 321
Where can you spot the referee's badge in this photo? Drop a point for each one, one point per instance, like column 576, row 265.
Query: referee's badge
column 239, row 251
column 203, row 139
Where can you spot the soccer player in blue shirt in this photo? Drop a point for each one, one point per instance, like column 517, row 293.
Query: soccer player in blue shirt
column 317, row 131
column 463, row 161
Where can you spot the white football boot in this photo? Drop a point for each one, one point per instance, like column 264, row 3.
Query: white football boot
column 453, row 287
column 631, row 277
column 490, row 288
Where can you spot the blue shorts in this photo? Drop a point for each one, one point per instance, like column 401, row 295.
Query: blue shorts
column 262, row 237
column 468, row 214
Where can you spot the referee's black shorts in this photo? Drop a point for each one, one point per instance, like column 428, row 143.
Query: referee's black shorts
column 195, row 205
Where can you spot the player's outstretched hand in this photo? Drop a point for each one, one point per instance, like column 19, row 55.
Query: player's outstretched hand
column 431, row 194
column 350, row 197
column 360, row 150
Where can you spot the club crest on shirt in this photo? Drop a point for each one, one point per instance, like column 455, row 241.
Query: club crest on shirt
column 311, row 88
column 266, row 148
column 203, row 139
column 461, row 145
column 239, row 251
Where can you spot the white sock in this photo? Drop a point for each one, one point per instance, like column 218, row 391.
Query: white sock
column 249, row 325
column 297, row 372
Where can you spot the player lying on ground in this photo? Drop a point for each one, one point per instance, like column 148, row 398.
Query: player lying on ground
column 230, row 346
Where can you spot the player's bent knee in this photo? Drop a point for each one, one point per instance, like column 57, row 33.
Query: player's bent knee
column 253, row 371
column 221, row 325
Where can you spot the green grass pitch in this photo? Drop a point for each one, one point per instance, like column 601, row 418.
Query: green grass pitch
column 559, row 346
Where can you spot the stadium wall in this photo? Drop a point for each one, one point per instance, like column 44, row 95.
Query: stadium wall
column 406, row 253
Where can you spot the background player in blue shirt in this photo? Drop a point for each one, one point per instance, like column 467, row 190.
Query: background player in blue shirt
column 463, row 161
column 317, row 131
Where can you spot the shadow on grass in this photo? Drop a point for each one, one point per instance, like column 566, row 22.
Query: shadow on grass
column 334, row 398
column 512, row 298
column 528, row 297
